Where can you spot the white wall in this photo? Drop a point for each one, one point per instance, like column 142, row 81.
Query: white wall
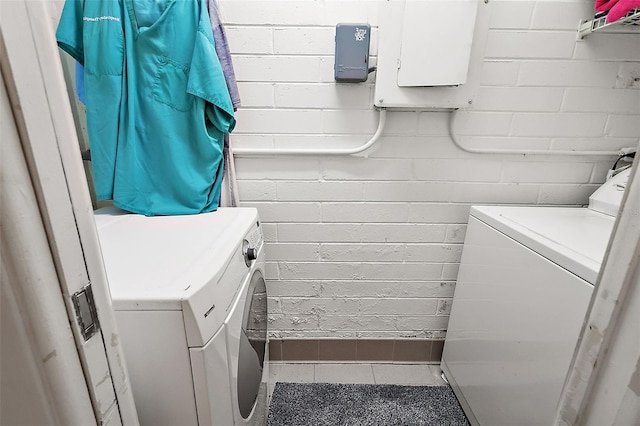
column 369, row 247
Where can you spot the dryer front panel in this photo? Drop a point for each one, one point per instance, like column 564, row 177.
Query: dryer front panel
column 211, row 382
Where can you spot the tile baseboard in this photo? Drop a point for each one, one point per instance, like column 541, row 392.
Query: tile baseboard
column 401, row 350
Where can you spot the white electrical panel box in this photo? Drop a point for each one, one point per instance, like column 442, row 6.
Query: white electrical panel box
column 430, row 53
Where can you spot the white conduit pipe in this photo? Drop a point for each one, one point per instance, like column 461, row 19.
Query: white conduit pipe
column 454, row 138
column 239, row 152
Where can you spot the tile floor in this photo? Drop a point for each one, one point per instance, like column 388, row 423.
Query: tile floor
column 374, row 373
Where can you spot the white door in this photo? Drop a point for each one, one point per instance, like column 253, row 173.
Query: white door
column 62, row 361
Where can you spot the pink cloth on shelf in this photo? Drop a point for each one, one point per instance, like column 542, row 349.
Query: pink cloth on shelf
column 621, row 8
column 604, row 5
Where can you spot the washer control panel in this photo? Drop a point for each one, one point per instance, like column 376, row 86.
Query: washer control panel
column 608, row 197
column 255, row 237
column 252, row 243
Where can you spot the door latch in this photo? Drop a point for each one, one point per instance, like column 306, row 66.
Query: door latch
column 86, row 313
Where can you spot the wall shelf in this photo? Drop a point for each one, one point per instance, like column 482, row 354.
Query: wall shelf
column 599, row 22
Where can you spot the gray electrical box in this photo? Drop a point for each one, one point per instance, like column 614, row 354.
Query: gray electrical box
column 352, row 53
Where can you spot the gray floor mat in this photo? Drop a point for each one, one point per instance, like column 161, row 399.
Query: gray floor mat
column 329, row 404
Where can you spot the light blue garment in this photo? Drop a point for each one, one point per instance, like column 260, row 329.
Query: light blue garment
column 173, row 113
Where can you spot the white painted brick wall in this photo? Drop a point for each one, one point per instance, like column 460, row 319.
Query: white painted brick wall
column 623, row 126
column 564, row 73
column 511, row 15
column 323, row 95
column 361, row 212
column 502, row 44
column 368, row 247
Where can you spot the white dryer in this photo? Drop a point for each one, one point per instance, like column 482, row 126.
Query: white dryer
column 525, row 281
column 190, row 302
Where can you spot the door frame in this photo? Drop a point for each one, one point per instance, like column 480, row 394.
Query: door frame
column 34, row 79
column 603, row 380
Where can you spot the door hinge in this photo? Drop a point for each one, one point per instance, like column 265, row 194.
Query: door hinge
column 86, row 313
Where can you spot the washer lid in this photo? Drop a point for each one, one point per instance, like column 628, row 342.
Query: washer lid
column 574, row 238
column 158, row 262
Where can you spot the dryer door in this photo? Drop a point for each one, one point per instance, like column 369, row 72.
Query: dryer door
column 246, row 330
column 253, row 343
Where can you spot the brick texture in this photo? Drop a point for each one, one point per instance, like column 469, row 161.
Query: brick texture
column 367, row 247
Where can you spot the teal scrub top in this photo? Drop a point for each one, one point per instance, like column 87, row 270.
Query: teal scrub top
column 157, row 102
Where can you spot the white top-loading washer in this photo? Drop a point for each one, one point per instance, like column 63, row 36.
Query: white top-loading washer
column 525, row 281
column 190, row 303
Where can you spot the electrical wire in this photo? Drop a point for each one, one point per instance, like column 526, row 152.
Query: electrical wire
column 629, row 155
